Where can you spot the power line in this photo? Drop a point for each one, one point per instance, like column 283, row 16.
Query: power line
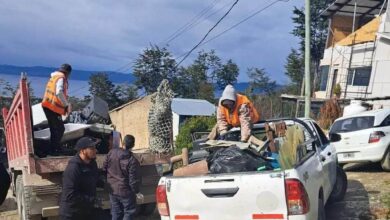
column 245, row 19
column 238, row 23
column 199, row 21
column 182, row 29
column 205, row 36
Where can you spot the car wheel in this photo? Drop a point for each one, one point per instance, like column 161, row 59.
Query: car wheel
column 340, row 187
column 385, row 163
column 321, row 209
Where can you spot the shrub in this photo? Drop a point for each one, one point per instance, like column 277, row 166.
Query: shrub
column 191, row 125
column 329, row 112
column 337, row 90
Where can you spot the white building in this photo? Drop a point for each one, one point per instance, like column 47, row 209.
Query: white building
column 359, row 61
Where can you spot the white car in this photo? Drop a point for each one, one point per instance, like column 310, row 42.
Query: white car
column 364, row 137
column 299, row 193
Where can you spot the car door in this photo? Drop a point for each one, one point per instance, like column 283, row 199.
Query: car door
column 328, row 158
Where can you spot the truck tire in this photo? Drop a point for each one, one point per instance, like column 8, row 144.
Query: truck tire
column 148, row 209
column 5, row 182
column 321, row 209
column 23, row 194
column 385, row 163
column 340, row 187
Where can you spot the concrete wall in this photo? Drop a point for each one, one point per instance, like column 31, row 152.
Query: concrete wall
column 133, row 119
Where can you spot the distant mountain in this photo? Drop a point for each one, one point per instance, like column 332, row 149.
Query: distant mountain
column 83, row 75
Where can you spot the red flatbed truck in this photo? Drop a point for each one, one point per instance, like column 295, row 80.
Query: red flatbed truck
column 36, row 182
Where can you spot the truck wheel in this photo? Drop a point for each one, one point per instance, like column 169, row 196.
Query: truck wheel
column 5, row 182
column 321, row 209
column 23, row 200
column 385, row 163
column 148, row 209
column 340, row 187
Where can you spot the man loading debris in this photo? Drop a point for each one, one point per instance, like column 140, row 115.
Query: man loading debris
column 234, row 110
column 55, row 104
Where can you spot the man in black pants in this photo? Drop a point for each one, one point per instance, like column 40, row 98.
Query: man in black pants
column 123, row 177
column 55, row 104
column 79, row 182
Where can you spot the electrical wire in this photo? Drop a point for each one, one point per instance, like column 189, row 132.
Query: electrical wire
column 237, row 24
column 182, row 29
column 208, row 32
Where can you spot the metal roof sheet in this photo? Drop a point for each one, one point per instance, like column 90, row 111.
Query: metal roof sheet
column 364, row 8
column 192, row 107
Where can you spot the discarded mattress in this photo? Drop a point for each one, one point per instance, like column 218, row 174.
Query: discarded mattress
column 72, row 131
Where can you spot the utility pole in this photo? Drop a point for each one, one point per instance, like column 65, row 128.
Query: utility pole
column 307, row 59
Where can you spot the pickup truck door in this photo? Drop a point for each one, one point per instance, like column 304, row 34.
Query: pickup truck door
column 232, row 196
column 328, row 158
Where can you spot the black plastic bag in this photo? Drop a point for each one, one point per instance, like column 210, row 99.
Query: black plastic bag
column 232, row 160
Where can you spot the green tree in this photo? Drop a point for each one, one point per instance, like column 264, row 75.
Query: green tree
column 318, row 26
column 259, row 80
column 191, row 125
column 126, row 93
column 100, row 85
column 6, row 95
column 196, row 80
column 152, row 66
column 295, row 70
column 228, row 74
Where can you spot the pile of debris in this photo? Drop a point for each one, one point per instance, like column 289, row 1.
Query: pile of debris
column 281, row 149
column 93, row 121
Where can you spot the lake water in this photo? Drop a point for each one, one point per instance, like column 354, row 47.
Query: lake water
column 77, row 88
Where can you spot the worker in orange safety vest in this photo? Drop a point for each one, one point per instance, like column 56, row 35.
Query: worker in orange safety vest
column 55, row 104
column 234, row 110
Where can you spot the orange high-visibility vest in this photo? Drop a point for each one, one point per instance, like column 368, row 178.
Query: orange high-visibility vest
column 233, row 118
column 50, row 100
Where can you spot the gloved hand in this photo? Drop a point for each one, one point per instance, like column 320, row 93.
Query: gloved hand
column 222, row 135
column 140, row 196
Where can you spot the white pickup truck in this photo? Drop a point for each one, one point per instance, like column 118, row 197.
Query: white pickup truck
column 297, row 193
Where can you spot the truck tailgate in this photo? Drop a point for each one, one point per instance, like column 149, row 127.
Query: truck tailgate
column 236, row 196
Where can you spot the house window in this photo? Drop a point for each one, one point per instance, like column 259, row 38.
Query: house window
column 324, row 77
column 359, row 76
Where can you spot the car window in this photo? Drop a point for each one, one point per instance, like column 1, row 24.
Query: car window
column 323, row 138
column 352, row 124
column 386, row 122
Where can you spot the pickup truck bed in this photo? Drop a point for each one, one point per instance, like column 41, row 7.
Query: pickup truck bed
column 297, row 193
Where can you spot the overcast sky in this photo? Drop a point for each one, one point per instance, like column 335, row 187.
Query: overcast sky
column 107, row 35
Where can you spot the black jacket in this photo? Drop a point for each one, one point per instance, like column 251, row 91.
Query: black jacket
column 123, row 174
column 79, row 182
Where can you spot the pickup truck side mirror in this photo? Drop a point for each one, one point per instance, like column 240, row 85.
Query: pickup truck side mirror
column 333, row 137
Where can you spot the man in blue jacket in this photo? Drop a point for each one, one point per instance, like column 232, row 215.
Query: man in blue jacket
column 123, row 178
column 79, row 182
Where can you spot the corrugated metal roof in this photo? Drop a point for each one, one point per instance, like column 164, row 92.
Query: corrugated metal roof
column 346, row 8
column 192, row 107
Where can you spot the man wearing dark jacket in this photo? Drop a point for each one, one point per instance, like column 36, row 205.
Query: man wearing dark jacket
column 123, row 178
column 79, row 182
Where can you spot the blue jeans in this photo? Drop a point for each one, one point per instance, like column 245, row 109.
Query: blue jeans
column 122, row 207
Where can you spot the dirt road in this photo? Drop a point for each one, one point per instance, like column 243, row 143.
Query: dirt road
column 368, row 197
